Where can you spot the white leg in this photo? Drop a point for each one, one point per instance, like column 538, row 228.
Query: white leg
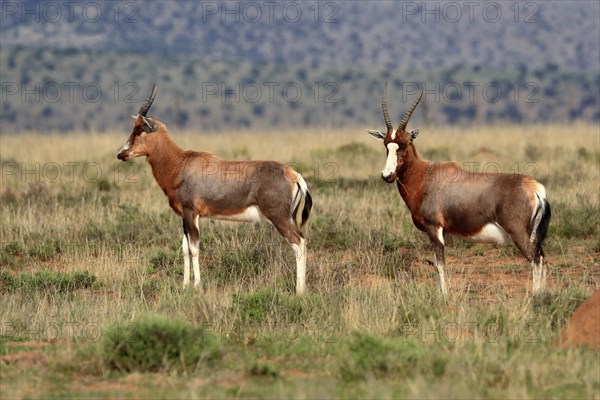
column 544, row 273
column 539, row 276
column 195, row 252
column 186, row 261
column 300, row 252
column 441, row 275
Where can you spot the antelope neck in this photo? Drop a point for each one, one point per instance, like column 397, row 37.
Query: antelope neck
column 165, row 162
column 411, row 177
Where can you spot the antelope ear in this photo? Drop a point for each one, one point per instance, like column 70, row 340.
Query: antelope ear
column 376, row 134
column 413, row 134
column 148, row 125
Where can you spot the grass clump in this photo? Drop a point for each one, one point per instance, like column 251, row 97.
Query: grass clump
column 267, row 306
column 556, row 308
column 166, row 263
column 327, row 233
column 154, row 343
column 46, row 281
column 245, row 262
column 578, row 222
column 368, row 356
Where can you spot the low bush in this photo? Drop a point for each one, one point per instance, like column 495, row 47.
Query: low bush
column 154, row 343
column 367, row 356
column 46, row 280
column 268, row 306
column 580, row 222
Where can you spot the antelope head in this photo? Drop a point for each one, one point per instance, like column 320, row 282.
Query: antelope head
column 144, row 136
column 396, row 141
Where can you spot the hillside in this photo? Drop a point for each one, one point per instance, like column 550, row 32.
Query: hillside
column 387, row 34
column 249, row 64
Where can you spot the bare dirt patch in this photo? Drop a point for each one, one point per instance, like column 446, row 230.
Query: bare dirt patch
column 495, row 272
column 368, row 281
column 25, row 359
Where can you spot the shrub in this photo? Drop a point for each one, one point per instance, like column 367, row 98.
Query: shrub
column 575, row 222
column 369, row 356
column 264, row 305
column 155, row 343
column 11, row 254
column 44, row 251
column 46, row 280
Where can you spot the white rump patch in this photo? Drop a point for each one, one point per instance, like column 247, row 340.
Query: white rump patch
column 491, row 233
column 392, row 160
column 250, row 214
column 540, row 190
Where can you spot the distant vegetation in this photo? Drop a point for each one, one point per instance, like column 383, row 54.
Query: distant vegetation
column 228, row 64
column 330, row 33
column 67, row 90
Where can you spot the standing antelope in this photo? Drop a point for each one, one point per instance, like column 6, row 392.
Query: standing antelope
column 482, row 207
column 201, row 185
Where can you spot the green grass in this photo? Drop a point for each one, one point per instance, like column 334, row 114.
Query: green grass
column 56, row 282
column 158, row 344
column 91, row 282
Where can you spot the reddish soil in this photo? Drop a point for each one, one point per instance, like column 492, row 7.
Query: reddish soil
column 583, row 327
column 24, row 358
column 495, row 273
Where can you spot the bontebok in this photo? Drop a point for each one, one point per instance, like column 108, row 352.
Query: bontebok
column 444, row 199
column 201, row 185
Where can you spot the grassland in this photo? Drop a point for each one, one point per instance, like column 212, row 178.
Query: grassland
column 90, row 277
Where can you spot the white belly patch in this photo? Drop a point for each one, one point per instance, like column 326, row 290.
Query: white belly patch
column 491, row 233
column 250, row 214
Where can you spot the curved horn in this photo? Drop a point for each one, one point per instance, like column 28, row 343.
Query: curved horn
column 386, row 114
column 146, row 106
column 406, row 117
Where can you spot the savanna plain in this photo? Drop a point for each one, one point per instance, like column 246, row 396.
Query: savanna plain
column 92, row 303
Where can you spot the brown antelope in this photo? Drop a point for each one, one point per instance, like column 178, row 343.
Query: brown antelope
column 443, row 199
column 201, row 185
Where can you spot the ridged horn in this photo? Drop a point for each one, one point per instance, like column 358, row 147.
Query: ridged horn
column 148, row 103
column 386, row 114
column 406, row 117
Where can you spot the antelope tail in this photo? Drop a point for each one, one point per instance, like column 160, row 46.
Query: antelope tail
column 302, row 194
column 538, row 227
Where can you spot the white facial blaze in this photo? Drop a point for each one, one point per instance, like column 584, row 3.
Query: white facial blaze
column 392, row 160
column 125, row 147
column 393, row 134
